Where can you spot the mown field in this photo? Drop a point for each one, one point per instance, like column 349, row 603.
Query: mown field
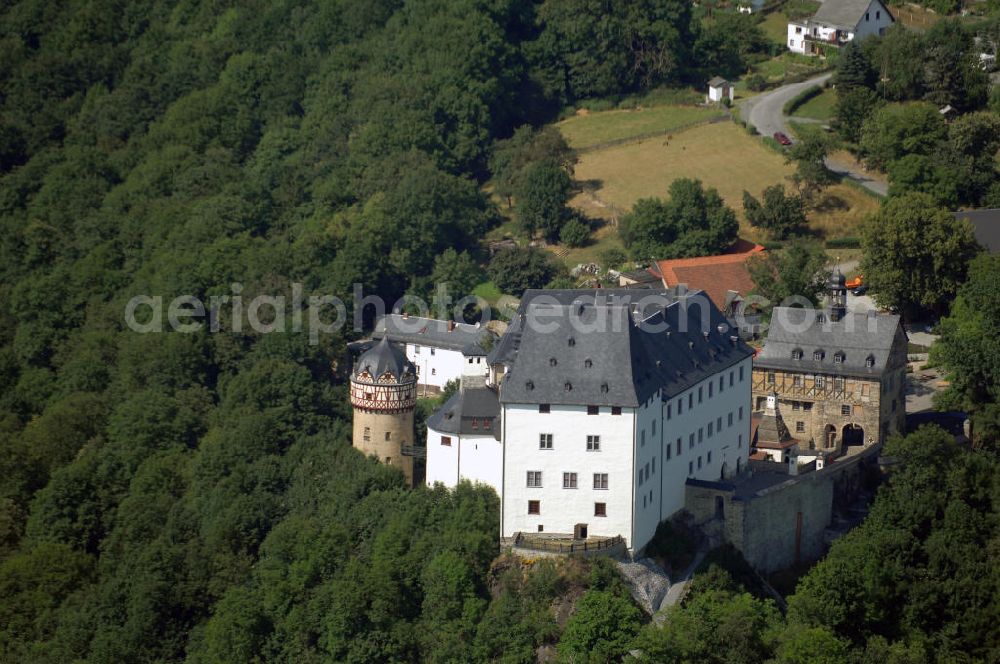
column 819, row 107
column 721, row 155
column 589, row 129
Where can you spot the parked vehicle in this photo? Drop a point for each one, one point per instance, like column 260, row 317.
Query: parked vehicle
column 855, row 282
column 860, row 290
column 782, row 138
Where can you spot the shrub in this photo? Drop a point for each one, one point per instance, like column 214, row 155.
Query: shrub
column 575, row 233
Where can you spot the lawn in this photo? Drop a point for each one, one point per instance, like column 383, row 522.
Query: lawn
column 721, row 155
column 787, row 64
column 819, row 107
column 589, row 129
column 775, row 26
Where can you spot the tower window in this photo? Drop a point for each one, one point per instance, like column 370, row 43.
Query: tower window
column 593, row 443
column 600, row 509
column 797, row 354
column 545, row 441
column 535, row 507
column 800, row 427
column 544, row 408
column 388, row 435
column 569, row 480
column 601, row 481
column 838, row 357
column 870, row 361
column 593, row 410
column 818, row 355
column 616, row 410
column 535, row 478
column 845, row 409
column 446, row 441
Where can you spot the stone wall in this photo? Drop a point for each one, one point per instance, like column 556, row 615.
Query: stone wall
column 370, row 431
column 781, row 524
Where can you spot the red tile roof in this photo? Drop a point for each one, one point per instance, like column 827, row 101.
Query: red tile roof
column 716, row 275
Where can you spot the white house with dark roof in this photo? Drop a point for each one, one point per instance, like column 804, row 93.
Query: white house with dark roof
column 838, row 22
column 463, row 436
column 611, row 400
column 433, row 346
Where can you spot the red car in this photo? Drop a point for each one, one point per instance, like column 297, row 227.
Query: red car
column 781, row 138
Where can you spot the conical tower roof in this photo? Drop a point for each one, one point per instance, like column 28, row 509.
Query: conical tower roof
column 384, row 358
column 771, row 429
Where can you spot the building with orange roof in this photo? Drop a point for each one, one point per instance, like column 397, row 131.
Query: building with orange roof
column 725, row 279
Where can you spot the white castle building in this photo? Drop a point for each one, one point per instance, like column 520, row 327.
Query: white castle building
column 433, row 346
column 608, row 402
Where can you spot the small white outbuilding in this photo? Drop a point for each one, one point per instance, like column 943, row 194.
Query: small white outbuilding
column 719, row 89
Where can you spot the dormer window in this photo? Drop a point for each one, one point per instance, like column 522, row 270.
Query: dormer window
column 818, row 355
column 839, row 357
column 797, row 354
column 571, row 342
column 568, row 386
column 870, row 361
column 553, row 362
column 588, row 363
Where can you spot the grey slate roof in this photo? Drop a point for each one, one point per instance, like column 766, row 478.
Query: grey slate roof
column 428, row 332
column 844, row 14
column 612, row 346
column 856, row 335
column 383, row 357
column 717, row 81
column 456, row 415
column 985, row 226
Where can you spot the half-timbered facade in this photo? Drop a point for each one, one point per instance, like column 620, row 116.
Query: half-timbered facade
column 840, row 377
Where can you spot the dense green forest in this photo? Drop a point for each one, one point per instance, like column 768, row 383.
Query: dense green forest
column 194, row 497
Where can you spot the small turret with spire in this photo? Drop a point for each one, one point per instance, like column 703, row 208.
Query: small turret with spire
column 836, row 289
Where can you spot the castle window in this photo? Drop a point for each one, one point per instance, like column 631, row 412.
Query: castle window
column 535, row 507
column 800, row 427
column 616, row 410
column 541, row 528
column 588, row 363
column 838, row 383
column 770, row 377
column 701, row 434
column 368, row 434
column 670, row 409
column 601, row 481
column 820, row 382
column 434, row 371
column 679, row 450
column 699, row 393
column 680, row 406
column 730, row 379
column 797, row 381
column 639, row 478
column 741, row 413
column 795, row 405
column 711, row 428
column 593, row 410
column 553, row 362
column 416, row 350
column 739, row 442
column 691, row 401
column 722, row 383
column 545, row 441
column 543, row 408
column 369, row 395
column 870, row 361
column 475, row 424
column 571, row 342
column 690, row 467
column 741, row 374
column 670, row 449
column 593, row 443
column 839, row 357
column 818, row 355
column 487, row 424
column 642, row 438
column 600, row 509
column 388, row 460
column 807, row 406
column 699, row 463
column 729, row 422
column 691, row 442
column 388, row 435
column 797, row 354
column 432, row 351
column 569, row 480
column 710, row 386
column 534, row 479
column 845, row 409
column 709, row 459
column 654, row 427
column 446, row 441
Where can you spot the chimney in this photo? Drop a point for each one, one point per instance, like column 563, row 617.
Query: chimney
column 451, row 326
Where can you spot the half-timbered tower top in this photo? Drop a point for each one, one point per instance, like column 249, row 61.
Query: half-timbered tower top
column 383, row 362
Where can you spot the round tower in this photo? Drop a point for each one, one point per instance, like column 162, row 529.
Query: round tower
column 383, row 394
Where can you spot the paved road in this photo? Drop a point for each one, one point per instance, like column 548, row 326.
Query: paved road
column 766, row 113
